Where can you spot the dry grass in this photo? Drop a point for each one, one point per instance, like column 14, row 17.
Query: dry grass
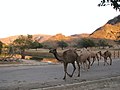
column 44, row 53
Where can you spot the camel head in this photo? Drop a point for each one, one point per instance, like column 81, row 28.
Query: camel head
column 53, row 51
column 99, row 52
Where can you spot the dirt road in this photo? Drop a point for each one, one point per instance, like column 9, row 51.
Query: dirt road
column 39, row 76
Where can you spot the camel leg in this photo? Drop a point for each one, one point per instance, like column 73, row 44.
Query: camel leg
column 86, row 66
column 82, row 66
column 65, row 70
column 110, row 61
column 93, row 61
column 100, row 57
column 98, row 61
column 73, row 69
column 78, row 68
column 105, row 61
column 89, row 63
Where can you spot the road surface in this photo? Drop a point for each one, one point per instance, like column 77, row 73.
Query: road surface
column 40, row 76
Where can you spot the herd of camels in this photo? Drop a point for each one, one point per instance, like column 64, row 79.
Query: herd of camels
column 84, row 56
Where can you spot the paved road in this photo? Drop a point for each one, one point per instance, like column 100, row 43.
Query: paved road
column 31, row 77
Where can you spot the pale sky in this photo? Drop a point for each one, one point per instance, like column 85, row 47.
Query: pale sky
column 22, row 17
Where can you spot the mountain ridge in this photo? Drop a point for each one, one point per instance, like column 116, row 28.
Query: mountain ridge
column 44, row 37
column 111, row 30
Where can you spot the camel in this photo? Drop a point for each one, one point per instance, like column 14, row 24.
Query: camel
column 105, row 55
column 83, row 60
column 84, row 57
column 68, row 56
column 94, row 56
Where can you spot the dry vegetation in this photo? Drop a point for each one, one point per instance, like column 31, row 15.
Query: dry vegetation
column 44, row 53
column 45, row 56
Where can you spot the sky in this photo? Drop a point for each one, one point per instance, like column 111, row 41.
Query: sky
column 22, row 17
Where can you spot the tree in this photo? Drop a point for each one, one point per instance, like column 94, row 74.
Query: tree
column 102, row 43
column 62, row 44
column 84, row 42
column 1, row 46
column 23, row 43
column 114, row 3
column 11, row 49
column 36, row 45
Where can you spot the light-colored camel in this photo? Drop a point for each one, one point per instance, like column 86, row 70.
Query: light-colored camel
column 83, row 61
column 84, row 57
column 94, row 56
column 105, row 55
column 68, row 56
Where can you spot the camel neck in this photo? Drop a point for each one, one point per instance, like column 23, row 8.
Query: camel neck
column 59, row 58
column 101, row 54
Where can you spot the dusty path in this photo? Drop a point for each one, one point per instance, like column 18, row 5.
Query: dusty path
column 39, row 76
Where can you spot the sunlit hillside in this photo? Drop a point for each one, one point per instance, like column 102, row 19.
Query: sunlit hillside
column 111, row 30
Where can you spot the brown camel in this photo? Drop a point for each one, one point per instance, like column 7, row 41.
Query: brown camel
column 68, row 56
column 105, row 55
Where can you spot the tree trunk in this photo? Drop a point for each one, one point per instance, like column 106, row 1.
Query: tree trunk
column 22, row 56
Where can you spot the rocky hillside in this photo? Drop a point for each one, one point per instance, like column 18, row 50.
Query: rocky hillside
column 59, row 37
column 111, row 30
column 41, row 37
column 83, row 35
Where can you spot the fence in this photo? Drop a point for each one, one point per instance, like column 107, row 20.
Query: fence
column 115, row 53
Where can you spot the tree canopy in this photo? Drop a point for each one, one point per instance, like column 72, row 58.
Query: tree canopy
column 114, row 3
column 1, row 45
column 102, row 43
column 36, row 45
column 85, row 42
column 23, row 43
column 62, row 44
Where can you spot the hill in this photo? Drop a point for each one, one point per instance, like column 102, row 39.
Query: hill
column 38, row 37
column 111, row 30
column 46, row 38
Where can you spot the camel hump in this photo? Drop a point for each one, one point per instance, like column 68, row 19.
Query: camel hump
column 70, row 53
column 107, row 52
